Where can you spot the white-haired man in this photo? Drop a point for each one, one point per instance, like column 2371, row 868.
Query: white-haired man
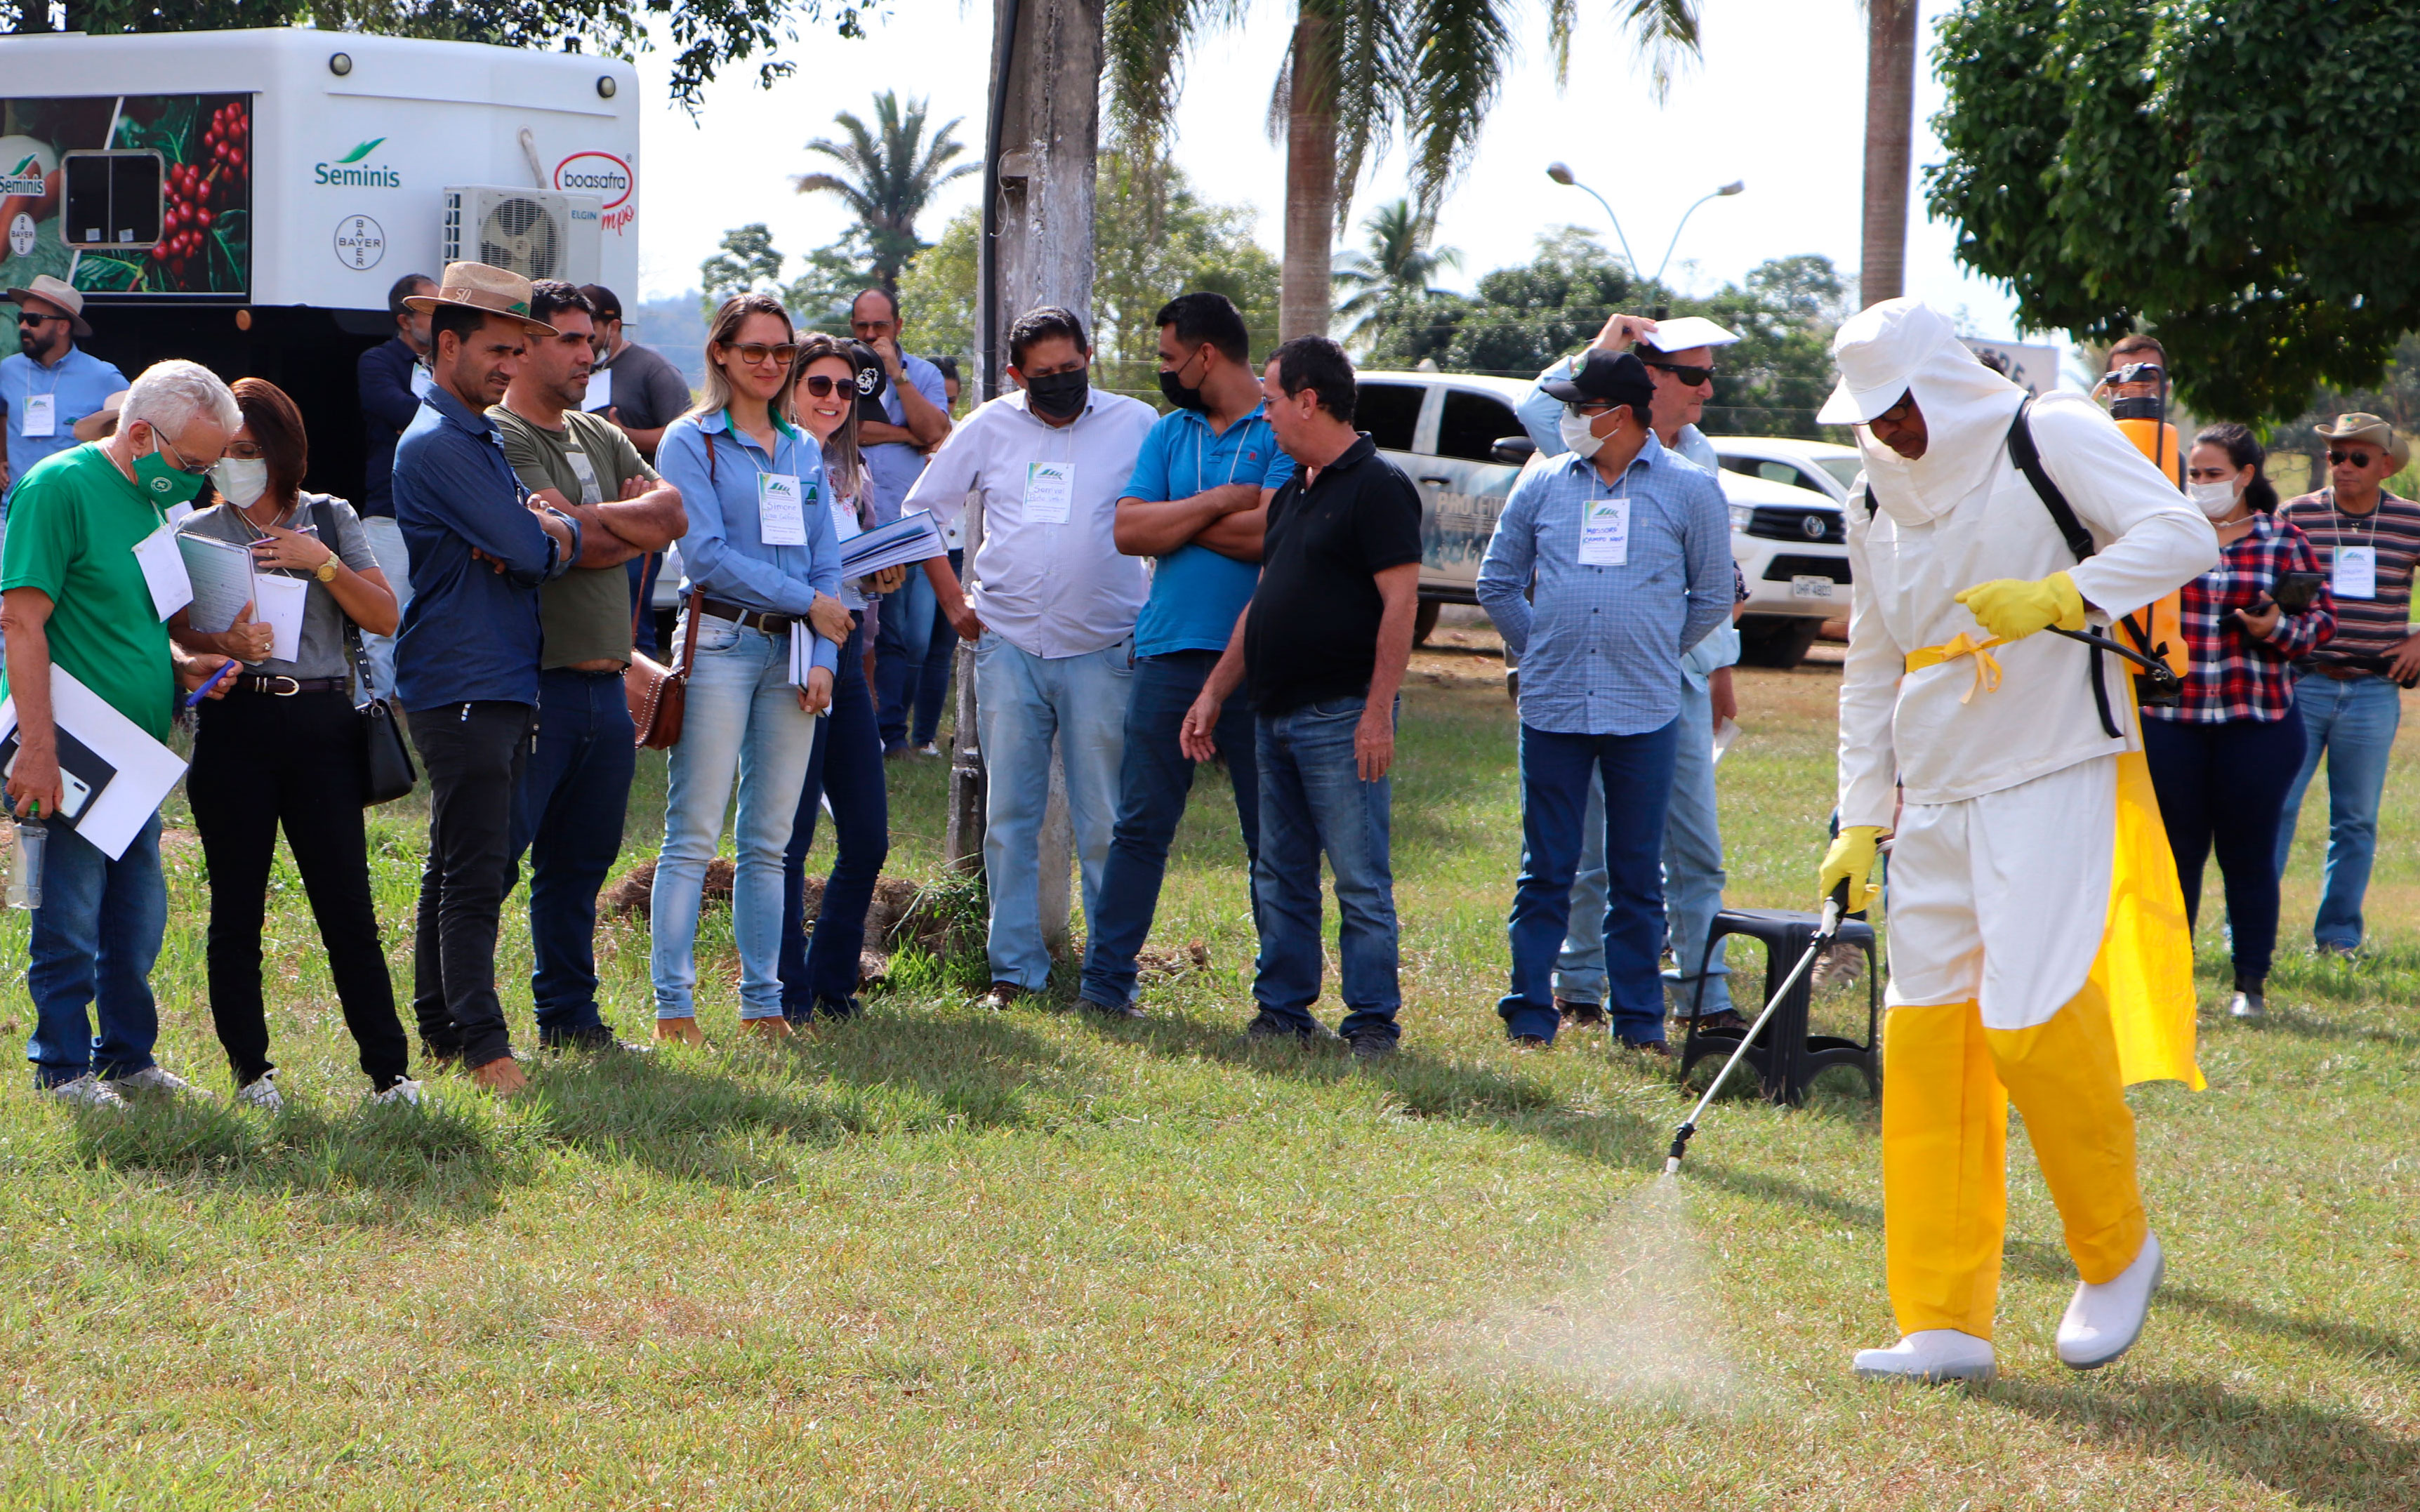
column 2038, row 948
column 72, row 593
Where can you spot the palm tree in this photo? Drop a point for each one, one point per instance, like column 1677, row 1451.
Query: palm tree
column 1358, row 72
column 890, row 173
column 1394, row 271
column 1891, row 143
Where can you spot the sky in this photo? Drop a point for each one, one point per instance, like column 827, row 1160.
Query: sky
column 1778, row 101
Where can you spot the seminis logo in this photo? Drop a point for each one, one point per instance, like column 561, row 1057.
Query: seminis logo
column 349, row 172
column 22, row 178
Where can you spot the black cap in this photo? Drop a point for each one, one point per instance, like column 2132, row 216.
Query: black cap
column 1620, row 376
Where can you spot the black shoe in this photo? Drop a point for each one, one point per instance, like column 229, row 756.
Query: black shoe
column 1268, row 1027
column 1581, row 1015
column 1724, row 1021
column 1649, row 1047
column 1003, row 994
column 1127, row 1011
column 835, row 1007
column 1526, row 1043
column 1372, row 1045
column 596, row 1039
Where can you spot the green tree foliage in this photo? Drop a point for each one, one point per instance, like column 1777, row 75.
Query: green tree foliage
column 2243, row 175
column 1394, row 271
column 890, row 172
column 1154, row 238
column 937, row 293
column 745, row 261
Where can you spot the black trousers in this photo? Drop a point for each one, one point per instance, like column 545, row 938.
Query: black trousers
column 473, row 753
column 260, row 761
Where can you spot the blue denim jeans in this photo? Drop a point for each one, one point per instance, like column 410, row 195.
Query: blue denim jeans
column 1693, row 875
column 932, row 687
column 902, row 639
column 2353, row 725
column 743, row 719
column 1313, row 802
column 92, row 943
column 1555, row 772
column 1026, row 702
column 821, row 974
column 2220, row 786
column 1152, row 788
column 567, row 815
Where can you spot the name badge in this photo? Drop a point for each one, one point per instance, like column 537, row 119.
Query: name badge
column 163, row 571
column 781, row 509
column 422, row 382
column 1605, row 534
column 1050, row 492
column 586, row 471
column 2356, row 574
column 42, row 415
column 843, row 516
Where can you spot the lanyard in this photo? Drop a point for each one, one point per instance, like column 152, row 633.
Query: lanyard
column 750, row 452
column 2375, row 510
column 1232, row 462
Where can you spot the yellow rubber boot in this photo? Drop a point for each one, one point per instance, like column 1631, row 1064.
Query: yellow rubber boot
column 2063, row 1076
column 1945, row 1184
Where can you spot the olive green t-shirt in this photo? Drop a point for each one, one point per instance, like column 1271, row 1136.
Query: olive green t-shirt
column 74, row 523
column 586, row 611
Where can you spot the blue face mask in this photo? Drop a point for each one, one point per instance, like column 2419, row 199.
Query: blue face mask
column 163, row 482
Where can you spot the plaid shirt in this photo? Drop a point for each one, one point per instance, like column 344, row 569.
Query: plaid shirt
column 2234, row 675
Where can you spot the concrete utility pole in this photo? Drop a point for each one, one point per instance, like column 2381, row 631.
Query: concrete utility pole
column 1890, row 132
column 1037, row 249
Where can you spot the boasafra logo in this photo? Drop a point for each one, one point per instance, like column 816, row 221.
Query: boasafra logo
column 350, row 172
column 601, row 174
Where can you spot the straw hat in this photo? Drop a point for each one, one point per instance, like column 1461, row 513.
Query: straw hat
column 483, row 287
column 55, row 291
column 2361, row 427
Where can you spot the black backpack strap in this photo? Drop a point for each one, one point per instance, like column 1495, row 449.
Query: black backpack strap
column 2028, row 457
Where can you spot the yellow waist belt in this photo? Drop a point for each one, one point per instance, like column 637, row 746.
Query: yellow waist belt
column 1987, row 667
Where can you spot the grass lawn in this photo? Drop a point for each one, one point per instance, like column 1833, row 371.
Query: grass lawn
column 946, row 1259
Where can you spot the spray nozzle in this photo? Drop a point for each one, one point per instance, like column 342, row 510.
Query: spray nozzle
column 1679, row 1148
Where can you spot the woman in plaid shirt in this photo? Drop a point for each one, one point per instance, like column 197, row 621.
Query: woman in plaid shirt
column 2223, row 757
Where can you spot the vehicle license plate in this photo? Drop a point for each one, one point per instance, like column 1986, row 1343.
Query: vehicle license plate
column 1804, row 586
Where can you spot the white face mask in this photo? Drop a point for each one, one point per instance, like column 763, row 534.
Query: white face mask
column 1584, row 443
column 2217, row 500
column 241, row 480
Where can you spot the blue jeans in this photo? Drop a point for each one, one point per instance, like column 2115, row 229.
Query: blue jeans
column 742, row 718
column 1152, row 789
column 93, row 942
column 902, row 639
column 1555, row 772
column 2354, row 724
column 1313, row 801
column 2222, row 784
column 934, row 686
column 822, row 974
column 567, row 814
column 1693, row 875
column 1026, row 701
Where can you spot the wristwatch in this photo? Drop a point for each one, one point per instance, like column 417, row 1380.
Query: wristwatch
column 326, row 571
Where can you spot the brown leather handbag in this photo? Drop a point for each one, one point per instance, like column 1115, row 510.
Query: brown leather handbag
column 657, row 693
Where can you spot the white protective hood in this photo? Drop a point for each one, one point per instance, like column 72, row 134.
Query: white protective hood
column 1906, row 347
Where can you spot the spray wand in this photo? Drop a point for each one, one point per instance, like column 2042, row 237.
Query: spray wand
column 1834, row 908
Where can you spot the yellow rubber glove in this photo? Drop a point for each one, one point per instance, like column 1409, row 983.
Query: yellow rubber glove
column 2013, row 608
column 1851, row 859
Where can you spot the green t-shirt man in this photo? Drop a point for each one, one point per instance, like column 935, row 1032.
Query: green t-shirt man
column 586, row 611
column 74, row 523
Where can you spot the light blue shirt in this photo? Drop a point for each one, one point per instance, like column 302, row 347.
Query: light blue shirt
column 896, row 465
column 1541, row 416
column 1196, row 594
column 1600, row 647
column 725, row 555
column 81, row 381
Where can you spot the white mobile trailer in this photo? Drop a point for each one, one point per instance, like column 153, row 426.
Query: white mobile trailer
column 246, row 198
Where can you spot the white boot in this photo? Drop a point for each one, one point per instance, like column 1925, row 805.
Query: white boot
column 1931, row 1355
column 2104, row 1321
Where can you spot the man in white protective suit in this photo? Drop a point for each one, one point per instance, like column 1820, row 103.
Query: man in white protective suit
column 2038, row 941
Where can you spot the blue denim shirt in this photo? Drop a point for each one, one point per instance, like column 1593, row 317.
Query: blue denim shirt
column 471, row 632
column 78, row 382
column 1600, row 646
column 724, row 554
column 896, row 465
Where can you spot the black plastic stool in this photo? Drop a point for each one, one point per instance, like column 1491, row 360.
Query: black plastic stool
column 1787, row 1057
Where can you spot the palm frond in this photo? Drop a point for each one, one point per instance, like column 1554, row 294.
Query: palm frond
column 1460, row 50
column 1666, row 33
column 1143, row 46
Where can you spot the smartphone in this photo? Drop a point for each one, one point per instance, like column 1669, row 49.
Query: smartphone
column 2296, row 590
column 74, row 791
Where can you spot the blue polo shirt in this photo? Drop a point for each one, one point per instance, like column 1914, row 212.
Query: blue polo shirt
column 895, row 466
column 1196, row 592
column 81, row 381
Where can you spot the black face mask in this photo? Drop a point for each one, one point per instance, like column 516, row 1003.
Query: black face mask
column 1173, row 390
column 1058, row 395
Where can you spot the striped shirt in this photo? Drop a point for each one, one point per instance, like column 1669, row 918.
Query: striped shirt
column 2365, row 627
column 2236, row 676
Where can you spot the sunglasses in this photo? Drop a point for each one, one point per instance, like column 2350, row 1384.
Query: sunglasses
column 757, row 354
column 1691, row 376
column 28, row 317
column 1588, row 409
column 822, row 384
column 2359, row 459
column 1898, row 413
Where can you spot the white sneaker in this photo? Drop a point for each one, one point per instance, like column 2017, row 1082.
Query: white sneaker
column 156, row 1081
column 2104, row 1320
column 1931, row 1355
column 261, row 1093
column 2251, row 1008
column 405, row 1093
column 86, row 1091
column 928, row 749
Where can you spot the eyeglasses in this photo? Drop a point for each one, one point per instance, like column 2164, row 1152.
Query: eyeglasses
column 757, row 354
column 2359, row 459
column 1898, row 413
column 1691, row 376
column 246, row 451
column 181, row 464
column 822, row 384
column 1588, row 409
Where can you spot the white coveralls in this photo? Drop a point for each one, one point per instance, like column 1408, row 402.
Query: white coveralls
column 2018, row 908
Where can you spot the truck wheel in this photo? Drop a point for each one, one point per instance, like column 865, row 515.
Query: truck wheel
column 1424, row 620
column 1777, row 641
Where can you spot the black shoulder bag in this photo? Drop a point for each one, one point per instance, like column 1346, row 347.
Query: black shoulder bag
column 387, row 772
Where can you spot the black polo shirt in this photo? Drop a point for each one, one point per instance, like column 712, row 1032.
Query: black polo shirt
column 1313, row 629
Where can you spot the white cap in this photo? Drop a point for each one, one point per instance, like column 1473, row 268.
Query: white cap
column 1685, row 331
column 1878, row 351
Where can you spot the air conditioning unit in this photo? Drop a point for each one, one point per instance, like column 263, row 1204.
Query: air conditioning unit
column 533, row 231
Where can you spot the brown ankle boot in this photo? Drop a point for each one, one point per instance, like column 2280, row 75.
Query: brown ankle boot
column 502, row 1076
column 772, row 1030
column 683, row 1030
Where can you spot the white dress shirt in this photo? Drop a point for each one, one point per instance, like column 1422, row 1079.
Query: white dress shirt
column 1051, row 587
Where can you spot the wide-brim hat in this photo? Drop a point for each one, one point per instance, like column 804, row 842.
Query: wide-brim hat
column 482, row 287
column 56, row 291
column 2358, row 427
column 1878, row 352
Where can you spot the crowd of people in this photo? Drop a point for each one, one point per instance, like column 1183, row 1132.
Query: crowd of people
column 1234, row 579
